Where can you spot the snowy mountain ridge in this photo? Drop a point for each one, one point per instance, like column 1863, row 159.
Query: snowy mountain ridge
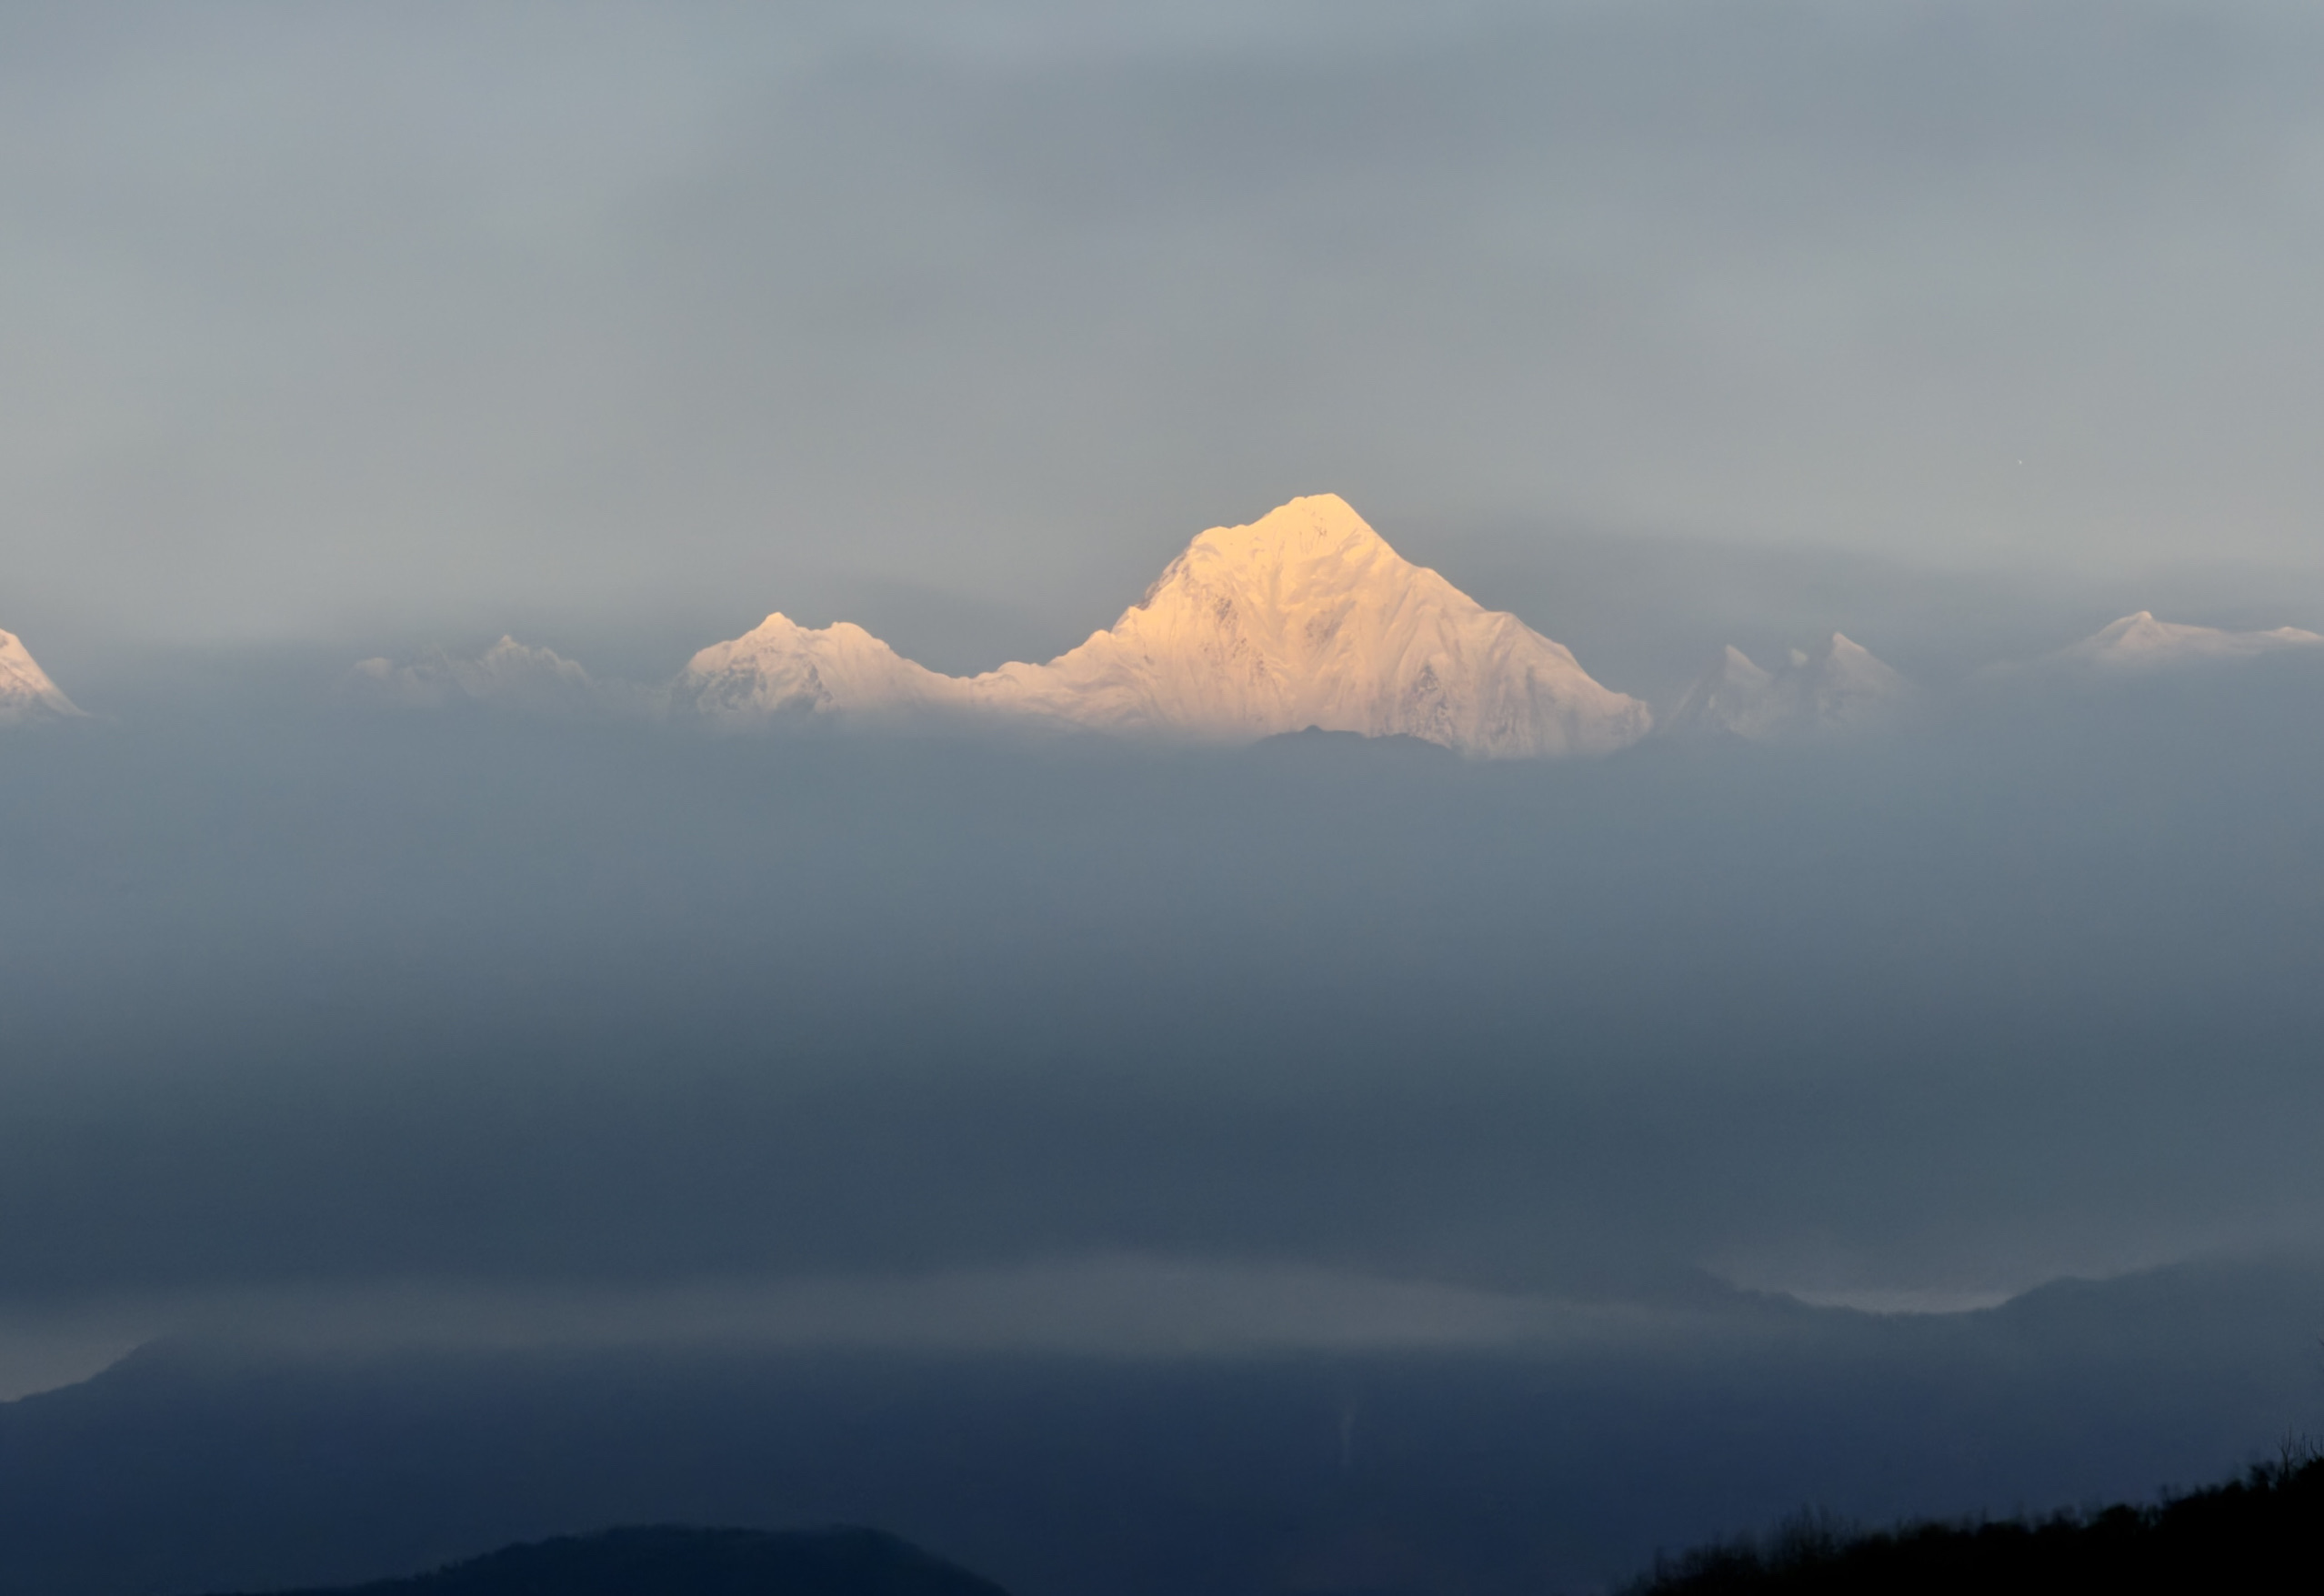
column 2139, row 642
column 1303, row 617
column 780, row 667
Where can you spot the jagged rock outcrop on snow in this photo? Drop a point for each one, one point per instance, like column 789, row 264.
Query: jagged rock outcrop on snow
column 1837, row 689
column 26, row 695
column 1303, row 617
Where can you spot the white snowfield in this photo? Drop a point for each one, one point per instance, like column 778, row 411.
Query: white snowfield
column 2139, row 643
column 1837, row 688
column 1305, row 618
column 26, row 695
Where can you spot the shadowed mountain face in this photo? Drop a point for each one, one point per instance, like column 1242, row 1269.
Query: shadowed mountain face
column 675, row 1561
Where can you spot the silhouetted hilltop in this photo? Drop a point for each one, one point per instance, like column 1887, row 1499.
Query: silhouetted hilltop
column 2249, row 1535
column 673, row 1561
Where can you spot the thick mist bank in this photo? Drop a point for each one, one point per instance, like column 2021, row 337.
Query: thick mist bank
column 1530, row 1467
column 315, row 995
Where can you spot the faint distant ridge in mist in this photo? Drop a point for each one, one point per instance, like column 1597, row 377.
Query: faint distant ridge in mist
column 676, row 1560
column 509, row 676
column 2240, row 1536
column 1305, row 619
column 2139, row 647
column 1838, row 690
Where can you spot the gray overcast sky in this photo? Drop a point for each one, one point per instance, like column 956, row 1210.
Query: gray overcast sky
column 322, row 319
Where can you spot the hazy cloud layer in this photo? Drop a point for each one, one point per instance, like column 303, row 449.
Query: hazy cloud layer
column 428, row 315
column 303, row 996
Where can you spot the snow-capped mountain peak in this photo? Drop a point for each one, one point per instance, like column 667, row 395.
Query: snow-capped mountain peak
column 1303, row 617
column 780, row 667
column 1308, row 618
column 26, row 695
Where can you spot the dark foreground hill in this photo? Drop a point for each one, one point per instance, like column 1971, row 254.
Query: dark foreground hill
column 675, row 1561
column 2262, row 1532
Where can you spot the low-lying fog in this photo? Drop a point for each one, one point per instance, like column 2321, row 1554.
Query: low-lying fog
column 303, row 999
